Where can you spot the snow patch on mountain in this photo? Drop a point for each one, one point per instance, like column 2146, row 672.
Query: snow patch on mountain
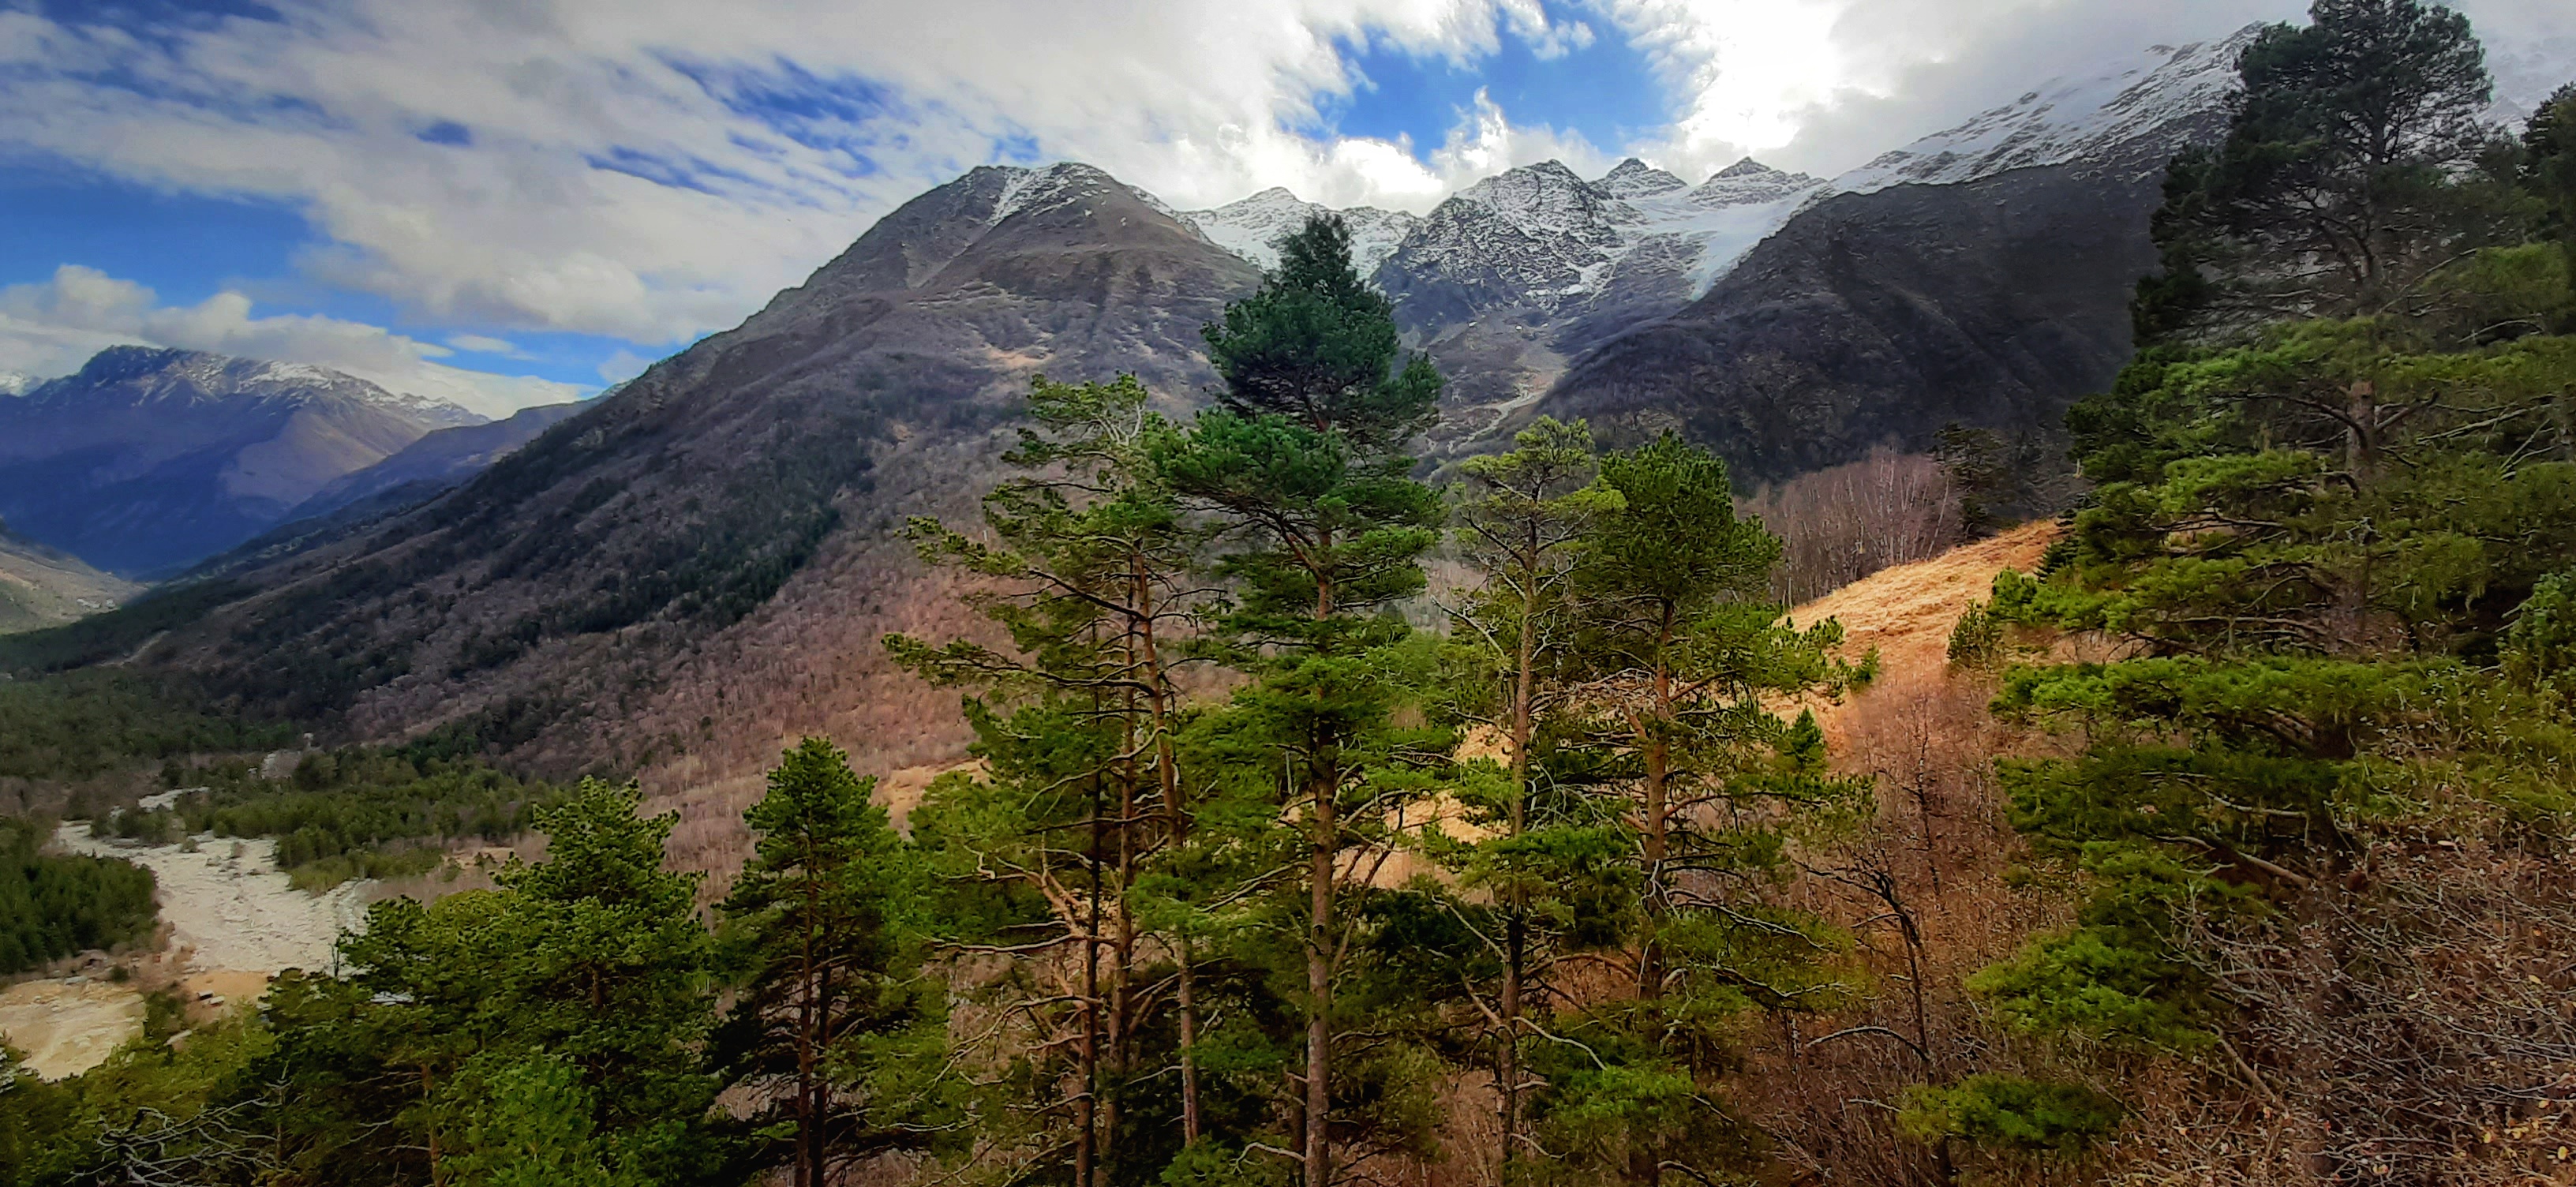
column 13, row 383
column 1050, row 187
column 1253, row 227
column 2136, row 114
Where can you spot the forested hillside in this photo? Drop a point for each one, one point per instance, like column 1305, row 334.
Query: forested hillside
column 1329, row 827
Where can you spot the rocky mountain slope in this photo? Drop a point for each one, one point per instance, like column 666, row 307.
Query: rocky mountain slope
column 1878, row 318
column 1981, row 276
column 1522, row 271
column 435, row 462
column 716, row 541
column 146, row 459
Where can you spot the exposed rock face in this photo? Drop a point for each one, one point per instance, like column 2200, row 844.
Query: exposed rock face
column 1506, row 281
column 148, row 459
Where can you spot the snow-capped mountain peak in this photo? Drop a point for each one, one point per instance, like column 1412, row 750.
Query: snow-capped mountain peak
column 2134, row 115
column 151, row 376
column 1545, row 198
column 1251, row 228
column 13, row 383
column 1633, row 178
column 1749, row 181
column 1562, row 243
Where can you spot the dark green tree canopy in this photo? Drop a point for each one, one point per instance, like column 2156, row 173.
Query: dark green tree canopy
column 1318, row 346
column 2348, row 175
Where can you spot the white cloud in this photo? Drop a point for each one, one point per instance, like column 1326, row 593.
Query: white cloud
column 1824, row 85
column 482, row 344
column 622, row 366
column 504, row 163
column 51, row 327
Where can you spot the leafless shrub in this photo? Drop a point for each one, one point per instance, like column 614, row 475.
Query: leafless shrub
column 1845, row 523
column 2409, row 1024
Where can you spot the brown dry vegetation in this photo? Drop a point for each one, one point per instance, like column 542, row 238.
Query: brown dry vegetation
column 2413, row 1020
column 1841, row 524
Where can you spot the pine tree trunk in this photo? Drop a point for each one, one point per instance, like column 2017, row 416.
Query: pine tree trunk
column 1122, row 951
column 809, row 1171
column 1167, row 779
column 1086, row 1111
column 1319, row 986
column 1323, row 783
column 1190, row 1124
column 1650, row 965
column 1516, row 923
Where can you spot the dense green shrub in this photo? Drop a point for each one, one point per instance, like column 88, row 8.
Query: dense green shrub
column 361, row 813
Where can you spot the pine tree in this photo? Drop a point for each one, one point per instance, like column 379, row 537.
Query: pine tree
column 2327, row 551
column 2336, row 190
column 1519, row 521
column 2549, row 168
column 823, row 909
column 1089, row 564
column 1303, row 465
column 552, row 1029
column 1687, row 670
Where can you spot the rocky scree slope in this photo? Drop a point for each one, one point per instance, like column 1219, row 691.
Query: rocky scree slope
column 146, row 460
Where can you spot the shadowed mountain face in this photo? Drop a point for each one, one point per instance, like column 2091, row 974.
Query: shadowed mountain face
column 149, row 459
column 41, row 587
column 595, row 593
column 1877, row 318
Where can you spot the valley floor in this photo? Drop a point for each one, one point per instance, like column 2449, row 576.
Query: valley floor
column 230, row 908
column 233, row 921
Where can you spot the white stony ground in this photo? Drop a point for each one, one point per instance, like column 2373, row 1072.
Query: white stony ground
column 228, row 904
column 66, row 1027
column 234, row 920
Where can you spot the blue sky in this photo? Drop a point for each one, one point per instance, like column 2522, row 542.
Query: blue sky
column 516, row 203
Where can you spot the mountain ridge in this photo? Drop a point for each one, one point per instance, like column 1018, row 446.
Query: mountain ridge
column 147, row 459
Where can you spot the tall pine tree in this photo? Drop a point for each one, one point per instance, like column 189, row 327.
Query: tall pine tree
column 1304, row 465
column 823, row 912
